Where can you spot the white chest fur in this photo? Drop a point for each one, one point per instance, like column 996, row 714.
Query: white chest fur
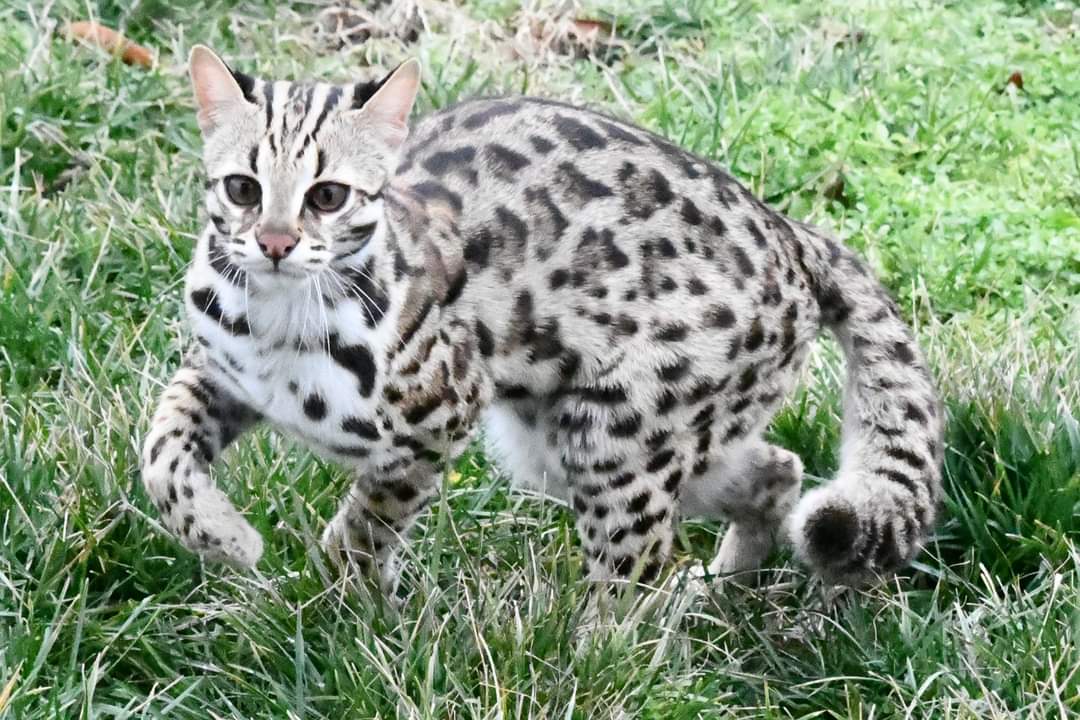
column 308, row 362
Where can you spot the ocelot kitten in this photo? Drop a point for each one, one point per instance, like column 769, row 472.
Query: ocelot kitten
column 622, row 317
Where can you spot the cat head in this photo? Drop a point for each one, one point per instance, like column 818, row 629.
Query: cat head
column 296, row 170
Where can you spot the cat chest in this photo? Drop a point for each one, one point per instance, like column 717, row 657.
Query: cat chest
column 325, row 390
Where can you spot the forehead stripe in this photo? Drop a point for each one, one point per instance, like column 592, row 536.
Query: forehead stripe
column 268, row 99
column 331, row 101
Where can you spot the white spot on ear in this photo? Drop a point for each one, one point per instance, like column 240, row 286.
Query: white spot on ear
column 217, row 93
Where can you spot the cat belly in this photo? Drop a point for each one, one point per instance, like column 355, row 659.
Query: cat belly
column 515, row 439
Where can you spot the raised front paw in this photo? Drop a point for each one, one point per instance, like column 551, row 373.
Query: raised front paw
column 205, row 522
column 230, row 540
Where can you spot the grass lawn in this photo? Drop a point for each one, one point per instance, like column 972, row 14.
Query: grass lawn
column 893, row 124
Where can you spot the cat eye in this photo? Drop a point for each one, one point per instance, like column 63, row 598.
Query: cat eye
column 327, row 196
column 242, row 190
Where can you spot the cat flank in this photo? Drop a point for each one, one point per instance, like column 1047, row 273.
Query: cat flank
column 620, row 317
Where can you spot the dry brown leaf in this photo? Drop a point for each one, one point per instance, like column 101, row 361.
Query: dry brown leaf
column 110, row 41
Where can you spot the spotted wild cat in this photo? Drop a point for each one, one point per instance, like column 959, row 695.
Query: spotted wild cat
column 622, row 317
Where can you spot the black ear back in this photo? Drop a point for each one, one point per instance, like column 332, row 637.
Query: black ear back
column 363, row 91
column 246, row 83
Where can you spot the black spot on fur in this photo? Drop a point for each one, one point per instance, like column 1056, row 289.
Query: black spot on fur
column 672, row 332
column 419, row 412
column 627, row 426
column 677, row 155
column 756, row 336
column 358, row 426
column 661, row 188
column 690, row 213
column 485, row 339
column 746, row 267
column 602, row 395
column 673, row 372
column 431, row 190
column 205, row 301
column 912, row 412
column 580, row 186
column 747, row 379
column 403, row 491
column 898, row 477
column 741, row 404
column 155, row 449
column 697, row 287
column 902, row 352
column 455, row 288
column 458, row 160
column 906, row 456
column 671, row 484
column 504, row 161
column 578, row 134
column 546, row 220
column 626, row 325
column 358, row 360
column 616, row 258
column 833, row 306
column 755, row 232
column 483, row 117
column 541, row 145
column 315, row 406
column 478, row 247
column 666, row 402
column 659, row 461
column 719, row 316
column 620, row 133
column 666, row 248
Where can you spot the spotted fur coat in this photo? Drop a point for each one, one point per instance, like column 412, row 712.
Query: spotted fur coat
column 621, row 317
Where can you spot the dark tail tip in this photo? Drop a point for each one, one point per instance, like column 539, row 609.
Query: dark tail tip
column 831, row 532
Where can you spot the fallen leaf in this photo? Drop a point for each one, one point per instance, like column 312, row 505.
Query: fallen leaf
column 110, row 41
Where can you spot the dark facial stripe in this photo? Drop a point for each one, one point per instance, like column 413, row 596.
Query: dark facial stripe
column 329, row 104
column 219, row 261
column 268, row 98
column 356, row 234
column 253, row 157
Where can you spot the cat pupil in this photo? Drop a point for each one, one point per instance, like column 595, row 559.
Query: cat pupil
column 242, row 190
column 328, row 197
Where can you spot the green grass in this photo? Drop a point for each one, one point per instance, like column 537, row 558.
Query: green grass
column 962, row 193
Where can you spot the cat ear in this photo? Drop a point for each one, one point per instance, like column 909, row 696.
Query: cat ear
column 388, row 109
column 218, row 91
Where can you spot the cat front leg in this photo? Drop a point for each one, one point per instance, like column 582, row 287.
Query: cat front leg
column 367, row 534
column 195, row 420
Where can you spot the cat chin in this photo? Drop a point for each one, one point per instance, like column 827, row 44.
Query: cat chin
column 283, row 279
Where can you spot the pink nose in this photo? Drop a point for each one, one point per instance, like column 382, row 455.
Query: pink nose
column 276, row 245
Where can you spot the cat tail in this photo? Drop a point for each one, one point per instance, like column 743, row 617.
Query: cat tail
column 875, row 515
